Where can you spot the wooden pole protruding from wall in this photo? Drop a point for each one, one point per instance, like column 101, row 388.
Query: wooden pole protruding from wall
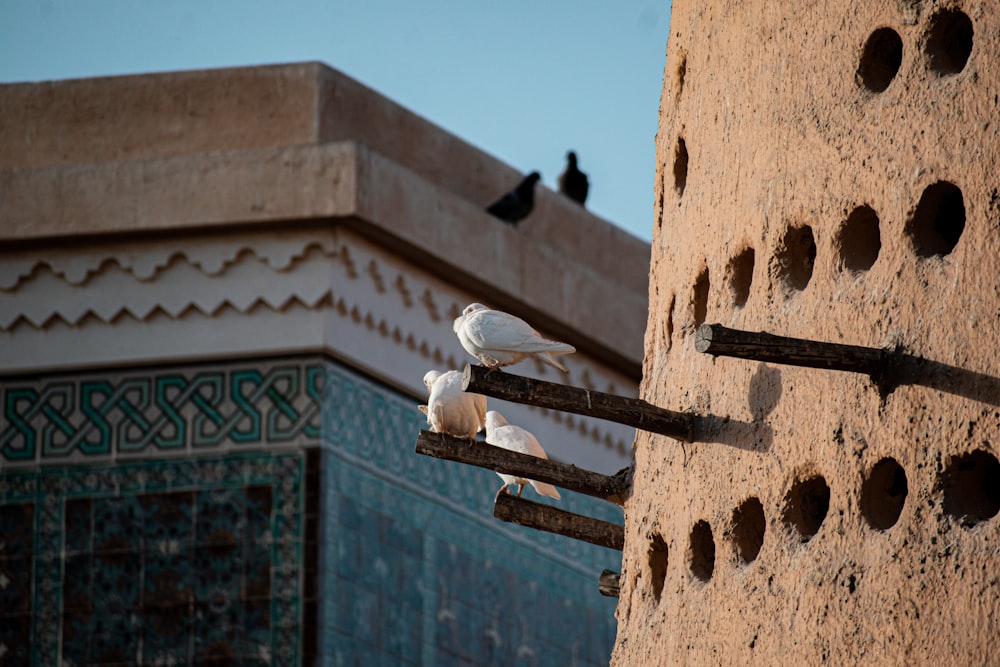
column 609, row 583
column 551, row 519
column 718, row 340
column 606, row 487
column 633, row 412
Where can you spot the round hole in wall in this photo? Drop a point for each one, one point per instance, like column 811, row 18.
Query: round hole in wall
column 858, row 241
column 796, row 256
column 680, row 166
column 880, row 59
column 656, row 557
column 702, row 551
column 883, row 494
column 740, row 272
column 949, row 41
column 806, row 505
column 748, row 529
column 938, row 221
column 700, row 297
column 971, row 485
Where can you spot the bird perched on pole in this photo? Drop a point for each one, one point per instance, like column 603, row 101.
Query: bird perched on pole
column 499, row 339
column 501, row 433
column 516, row 204
column 450, row 410
column 572, row 182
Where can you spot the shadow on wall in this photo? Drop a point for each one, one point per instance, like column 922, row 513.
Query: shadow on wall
column 909, row 369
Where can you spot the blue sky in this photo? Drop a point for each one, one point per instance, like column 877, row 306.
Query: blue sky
column 524, row 80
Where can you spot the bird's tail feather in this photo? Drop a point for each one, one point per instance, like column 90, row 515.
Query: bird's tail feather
column 547, row 358
column 545, row 489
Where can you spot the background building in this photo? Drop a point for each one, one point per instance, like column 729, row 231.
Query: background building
column 827, row 173
column 219, row 292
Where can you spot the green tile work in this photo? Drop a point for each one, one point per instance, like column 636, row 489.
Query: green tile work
column 155, row 562
column 269, row 512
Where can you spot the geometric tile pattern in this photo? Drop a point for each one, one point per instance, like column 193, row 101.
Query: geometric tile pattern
column 155, row 562
column 154, row 413
column 416, row 571
column 190, row 539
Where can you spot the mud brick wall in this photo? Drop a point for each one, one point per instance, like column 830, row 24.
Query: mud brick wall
column 828, row 173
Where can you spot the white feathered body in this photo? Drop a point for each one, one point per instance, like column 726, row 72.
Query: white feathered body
column 451, row 410
column 499, row 339
column 500, row 433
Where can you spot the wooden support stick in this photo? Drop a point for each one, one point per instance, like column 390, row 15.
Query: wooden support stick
column 554, row 520
column 633, row 412
column 718, row 340
column 606, row 487
column 609, row 583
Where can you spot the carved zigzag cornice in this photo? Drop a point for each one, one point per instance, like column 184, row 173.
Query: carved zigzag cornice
column 146, row 261
column 327, row 271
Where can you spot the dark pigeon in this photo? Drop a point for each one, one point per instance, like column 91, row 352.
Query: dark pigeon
column 573, row 182
column 515, row 206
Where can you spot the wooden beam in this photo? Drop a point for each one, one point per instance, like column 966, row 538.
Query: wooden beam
column 609, row 583
column 718, row 340
column 478, row 453
column 554, row 520
column 633, row 412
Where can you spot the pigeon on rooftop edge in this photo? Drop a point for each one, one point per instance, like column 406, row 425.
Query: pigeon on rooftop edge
column 516, row 204
column 499, row 339
column 451, row 410
column 572, row 182
column 501, row 433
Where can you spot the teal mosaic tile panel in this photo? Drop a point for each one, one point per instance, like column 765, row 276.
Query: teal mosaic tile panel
column 157, row 562
column 195, row 488
column 154, row 413
column 415, row 569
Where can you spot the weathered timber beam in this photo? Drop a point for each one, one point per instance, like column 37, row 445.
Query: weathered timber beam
column 718, row 340
column 554, row 520
column 609, row 583
column 633, row 412
column 564, row 475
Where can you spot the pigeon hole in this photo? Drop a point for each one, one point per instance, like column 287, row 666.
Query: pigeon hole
column 680, row 166
column 796, row 256
column 699, row 298
column 938, row 221
column 740, row 273
column 748, row 529
column 858, row 240
column 806, row 505
column 656, row 558
column 883, row 494
column 702, row 551
column 880, row 59
column 949, row 42
column 971, row 484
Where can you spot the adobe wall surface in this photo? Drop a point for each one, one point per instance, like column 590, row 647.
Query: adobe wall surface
column 810, row 188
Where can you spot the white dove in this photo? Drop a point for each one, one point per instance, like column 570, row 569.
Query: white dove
column 498, row 339
column 501, row 433
column 449, row 409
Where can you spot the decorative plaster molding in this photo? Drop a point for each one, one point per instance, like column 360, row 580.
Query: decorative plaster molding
column 259, row 293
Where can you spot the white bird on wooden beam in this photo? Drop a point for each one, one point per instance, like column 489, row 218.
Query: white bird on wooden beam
column 499, row 339
column 501, row 433
column 450, row 410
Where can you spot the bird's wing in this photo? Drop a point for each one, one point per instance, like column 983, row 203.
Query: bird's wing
column 496, row 330
column 501, row 206
column 516, row 439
